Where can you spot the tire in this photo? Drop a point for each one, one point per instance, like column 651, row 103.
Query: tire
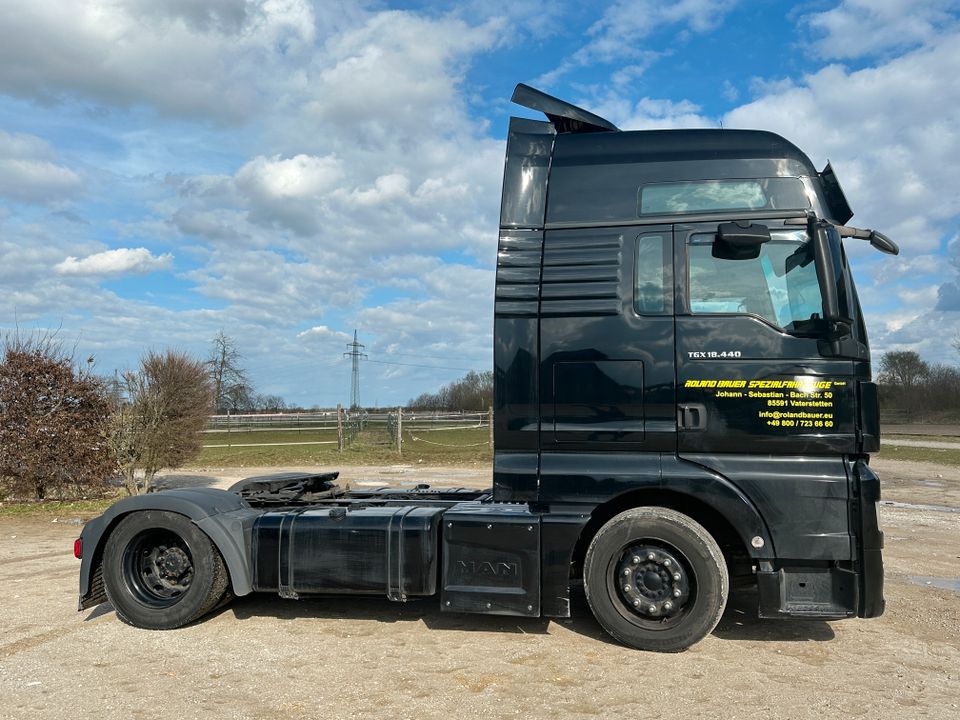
column 161, row 571
column 655, row 579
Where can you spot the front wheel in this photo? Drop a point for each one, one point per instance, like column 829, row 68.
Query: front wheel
column 161, row 571
column 655, row 579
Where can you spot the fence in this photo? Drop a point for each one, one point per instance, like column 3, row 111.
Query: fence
column 334, row 427
column 341, row 427
column 415, row 426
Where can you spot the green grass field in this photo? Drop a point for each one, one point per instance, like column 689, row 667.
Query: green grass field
column 934, row 438
column 240, row 437
column 371, row 447
column 58, row 508
column 920, row 454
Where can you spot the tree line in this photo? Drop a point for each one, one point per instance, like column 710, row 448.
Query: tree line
column 921, row 389
column 474, row 391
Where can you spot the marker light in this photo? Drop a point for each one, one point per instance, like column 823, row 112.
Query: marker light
column 78, row 548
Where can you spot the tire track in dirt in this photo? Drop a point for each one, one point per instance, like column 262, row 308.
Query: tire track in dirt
column 29, row 558
column 28, row 643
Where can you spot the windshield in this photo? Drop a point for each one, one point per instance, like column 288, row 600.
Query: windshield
column 780, row 285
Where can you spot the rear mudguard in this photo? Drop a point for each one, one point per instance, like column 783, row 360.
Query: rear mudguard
column 226, row 519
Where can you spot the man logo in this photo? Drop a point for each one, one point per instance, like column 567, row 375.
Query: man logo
column 484, row 568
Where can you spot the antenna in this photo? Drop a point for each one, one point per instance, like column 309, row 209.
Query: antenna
column 355, row 354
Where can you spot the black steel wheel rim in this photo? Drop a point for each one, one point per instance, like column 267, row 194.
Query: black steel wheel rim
column 158, row 568
column 652, row 584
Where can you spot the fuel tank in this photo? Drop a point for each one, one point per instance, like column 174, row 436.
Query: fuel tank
column 391, row 550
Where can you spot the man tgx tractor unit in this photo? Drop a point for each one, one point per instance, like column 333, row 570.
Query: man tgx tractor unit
column 682, row 396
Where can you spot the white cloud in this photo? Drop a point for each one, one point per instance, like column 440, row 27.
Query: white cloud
column 386, row 188
column 654, row 114
column 208, row 60
column 449, row 315
column 395, row 77
column 29, row 171
column 323, row 333
column 378, row 152
column 122, row 261
column 302, row 176
column 855, row 28
column 616, row 36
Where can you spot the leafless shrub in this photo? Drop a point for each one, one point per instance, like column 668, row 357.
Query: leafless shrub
column 53, row 420
column 159, row 422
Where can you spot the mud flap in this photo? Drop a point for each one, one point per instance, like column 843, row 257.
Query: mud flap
column 491, row 560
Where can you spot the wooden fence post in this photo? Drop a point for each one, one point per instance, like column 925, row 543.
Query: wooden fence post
column 339, row 428
column 400, row 431
column 490, row 422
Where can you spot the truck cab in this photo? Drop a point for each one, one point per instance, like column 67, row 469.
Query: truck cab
column 676, row 323
column 683, row 397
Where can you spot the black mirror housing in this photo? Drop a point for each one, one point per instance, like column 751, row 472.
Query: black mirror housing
column 739, row 240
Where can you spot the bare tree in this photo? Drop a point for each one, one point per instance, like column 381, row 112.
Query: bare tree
column 53, row 419
column 231, row 388
column 159, row 423
column 903, row 369
column 903, row 379
column 269, row 403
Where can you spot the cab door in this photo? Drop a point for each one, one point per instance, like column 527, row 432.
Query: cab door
column 607, row 376
column 751, row 376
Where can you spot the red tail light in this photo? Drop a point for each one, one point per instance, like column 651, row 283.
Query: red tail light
column 78, row 548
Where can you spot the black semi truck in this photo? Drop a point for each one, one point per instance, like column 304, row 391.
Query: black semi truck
column 683, row 397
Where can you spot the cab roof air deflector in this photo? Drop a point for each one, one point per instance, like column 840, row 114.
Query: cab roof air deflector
column 566, row 118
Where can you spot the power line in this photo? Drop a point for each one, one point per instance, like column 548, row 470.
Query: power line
column 422, row 355
column 432, row 367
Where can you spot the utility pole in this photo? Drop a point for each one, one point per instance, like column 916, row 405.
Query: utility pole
column 356, row 355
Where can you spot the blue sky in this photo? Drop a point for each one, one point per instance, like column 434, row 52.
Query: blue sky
column 287, row 171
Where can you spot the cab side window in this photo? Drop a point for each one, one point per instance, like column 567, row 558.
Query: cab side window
column 652, row 277
column 780, row 285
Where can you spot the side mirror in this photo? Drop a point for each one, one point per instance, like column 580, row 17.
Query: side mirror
column 884, row 244
column 739, row 240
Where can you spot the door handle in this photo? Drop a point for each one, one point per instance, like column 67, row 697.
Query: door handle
column 692, row 416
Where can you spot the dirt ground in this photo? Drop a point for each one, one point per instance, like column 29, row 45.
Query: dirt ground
column 262, row 657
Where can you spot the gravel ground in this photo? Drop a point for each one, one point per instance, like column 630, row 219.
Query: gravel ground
column 262, row 657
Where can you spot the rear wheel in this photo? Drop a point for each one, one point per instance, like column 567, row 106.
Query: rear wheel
column 655, row 579
column 161, row 571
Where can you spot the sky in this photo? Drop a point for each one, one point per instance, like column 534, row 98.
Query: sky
column 289, row 171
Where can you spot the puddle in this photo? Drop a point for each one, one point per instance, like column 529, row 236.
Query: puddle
column 917, row 506
column 942, row 583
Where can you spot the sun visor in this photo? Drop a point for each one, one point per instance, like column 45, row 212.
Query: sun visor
column 836, row 200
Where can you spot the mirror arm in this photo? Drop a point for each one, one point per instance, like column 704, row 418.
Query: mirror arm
column 876, row 238
column 880, row 241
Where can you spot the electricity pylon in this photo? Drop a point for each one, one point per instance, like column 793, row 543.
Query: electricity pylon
column 356, row 355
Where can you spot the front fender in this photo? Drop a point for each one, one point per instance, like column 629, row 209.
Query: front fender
column 226, row 519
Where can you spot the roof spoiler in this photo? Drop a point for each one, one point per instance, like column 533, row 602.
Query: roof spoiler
column 566, row 118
